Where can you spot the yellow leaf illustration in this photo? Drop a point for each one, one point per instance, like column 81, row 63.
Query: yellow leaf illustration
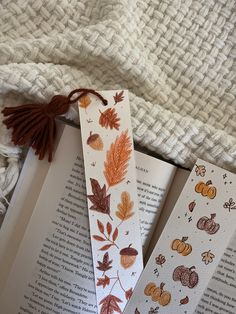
column 125, row 207
column 84, row 101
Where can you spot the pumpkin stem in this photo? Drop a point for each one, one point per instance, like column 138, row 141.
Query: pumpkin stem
column 184, row 239
column 213, row 216
column 192, row 267
column 162, row 285
column 209, row 182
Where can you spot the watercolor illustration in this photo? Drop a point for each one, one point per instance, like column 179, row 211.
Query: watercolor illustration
column 181, row 246
column 206, row 189
column 125, row 207
column 106, row 236
column 200, row 170
column 128, row 256
column 184, row 301
column 84, row 102
column 160, row 259
column 110, row 302
column 158, row 294
column 117, row 158
column 109, row 119
column 99, row 198
column 187, row 276
column 230, row 204
column 191, row 206
column 119, row 97
column 208, row 224
column 95, row 141
column 105, row 264
column 207, row 257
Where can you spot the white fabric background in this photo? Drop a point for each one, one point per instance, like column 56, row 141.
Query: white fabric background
column 177, row 58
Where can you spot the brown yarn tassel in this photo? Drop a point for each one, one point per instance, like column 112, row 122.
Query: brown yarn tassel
column 35, row 125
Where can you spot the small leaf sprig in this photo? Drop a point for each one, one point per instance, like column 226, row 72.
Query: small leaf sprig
column 153, row 310
column 110, row 237
column 230, row 204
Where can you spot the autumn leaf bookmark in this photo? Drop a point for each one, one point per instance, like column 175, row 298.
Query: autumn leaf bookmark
column 112, row 198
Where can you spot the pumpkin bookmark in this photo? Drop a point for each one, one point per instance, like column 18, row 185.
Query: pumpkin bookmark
column 112, row 198
column 191, row 244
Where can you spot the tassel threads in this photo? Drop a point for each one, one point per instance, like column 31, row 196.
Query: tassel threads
column 35, row 125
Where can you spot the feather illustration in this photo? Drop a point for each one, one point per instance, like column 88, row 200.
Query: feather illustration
column 125, row 207
column 117, row 158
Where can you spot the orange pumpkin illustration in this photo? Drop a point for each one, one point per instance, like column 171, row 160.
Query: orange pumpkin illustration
column 181, row 246
column 158, row 294
column 206, row 189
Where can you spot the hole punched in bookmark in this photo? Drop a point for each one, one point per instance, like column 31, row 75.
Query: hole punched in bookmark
column 34, row 124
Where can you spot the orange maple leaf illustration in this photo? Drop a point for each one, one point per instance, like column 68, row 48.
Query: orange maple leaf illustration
column 117, row 158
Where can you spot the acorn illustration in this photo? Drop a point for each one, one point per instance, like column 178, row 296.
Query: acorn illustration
column 128, row 256
column 95, row 141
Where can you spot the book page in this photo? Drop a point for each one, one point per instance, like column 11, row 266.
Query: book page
column 154, row 178
column 220, row 295
column 177, row 184
column 21, row 205
column 53, row 267
column 52, row 222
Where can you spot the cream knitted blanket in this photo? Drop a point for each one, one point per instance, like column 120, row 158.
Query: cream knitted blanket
column 176, row 57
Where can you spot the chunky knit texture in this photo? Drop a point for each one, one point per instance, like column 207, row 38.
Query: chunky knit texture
column 177, row 58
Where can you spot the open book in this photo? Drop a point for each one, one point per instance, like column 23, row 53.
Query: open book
column 45, row 253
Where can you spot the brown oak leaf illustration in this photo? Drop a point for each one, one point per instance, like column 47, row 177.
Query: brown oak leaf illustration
column 200, row 170
column 117, row 158
column 109, row 119
column 207, row 257
column 119, row 97
column 128, row 293
column 110, row 305
column 105, row 264
column 99, row 199
column 84, row 101
column 125, row 207
column 103, row 281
